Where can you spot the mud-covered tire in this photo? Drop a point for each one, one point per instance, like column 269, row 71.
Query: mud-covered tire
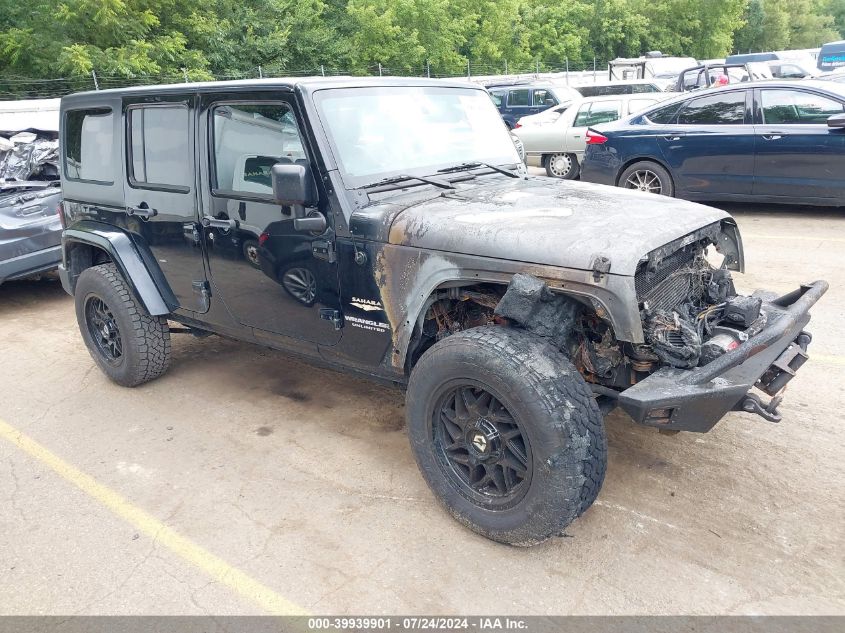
column 553, row 407
column 144, row 339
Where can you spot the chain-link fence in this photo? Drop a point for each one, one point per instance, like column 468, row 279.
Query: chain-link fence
column 578, row 71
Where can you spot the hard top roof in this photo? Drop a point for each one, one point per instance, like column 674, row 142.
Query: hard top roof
column 289, row 83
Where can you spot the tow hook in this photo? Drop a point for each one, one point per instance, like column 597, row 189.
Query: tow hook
column 751, row 403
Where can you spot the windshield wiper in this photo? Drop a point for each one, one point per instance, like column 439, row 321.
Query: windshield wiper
column 394, row 180
column 476, row 164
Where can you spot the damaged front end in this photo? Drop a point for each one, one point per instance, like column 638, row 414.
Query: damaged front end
column 704, row 347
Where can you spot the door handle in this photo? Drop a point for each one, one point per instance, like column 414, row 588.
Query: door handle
column 210, row 222
column 142, row 211
column 772, row 137
column 673, row 137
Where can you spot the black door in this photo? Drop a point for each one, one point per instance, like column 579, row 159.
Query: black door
column 711, row 148
column 798, row 155
column 270, row 276
column 160, row 191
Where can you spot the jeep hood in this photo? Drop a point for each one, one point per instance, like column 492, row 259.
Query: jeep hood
column 545, row 221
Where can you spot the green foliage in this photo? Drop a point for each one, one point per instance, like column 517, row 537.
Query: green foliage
column 206, row 38
column 785, row 24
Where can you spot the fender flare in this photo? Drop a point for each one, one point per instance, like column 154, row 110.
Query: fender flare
column 157, row 298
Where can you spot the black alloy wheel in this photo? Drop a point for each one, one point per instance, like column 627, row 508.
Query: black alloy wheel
column 103, row 329
column 481, row 447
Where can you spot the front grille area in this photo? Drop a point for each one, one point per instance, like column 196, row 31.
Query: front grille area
column 669, row 283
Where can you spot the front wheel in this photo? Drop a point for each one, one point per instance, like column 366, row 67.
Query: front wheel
column 506, row 433
column 649, row 177
column 562, row 166
column 129, row 345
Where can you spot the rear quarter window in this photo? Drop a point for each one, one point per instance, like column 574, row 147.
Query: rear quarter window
column 665, row 115
column 89, row 145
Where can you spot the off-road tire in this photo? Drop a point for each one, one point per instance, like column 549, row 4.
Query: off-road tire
column 553, row 405
column 145, row 338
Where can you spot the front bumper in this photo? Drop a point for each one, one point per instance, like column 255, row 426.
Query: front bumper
column 696, row 399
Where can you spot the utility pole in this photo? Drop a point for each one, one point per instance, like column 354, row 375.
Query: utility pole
column 96, row 83
column 379, row 69
column 322, row 70
column 260, row 74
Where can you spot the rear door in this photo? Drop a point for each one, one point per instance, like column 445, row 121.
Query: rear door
column 798, row 155
column 160, row 191
column 710, row 149
column 519, row 103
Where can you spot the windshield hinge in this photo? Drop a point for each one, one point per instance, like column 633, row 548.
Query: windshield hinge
column 600, row 267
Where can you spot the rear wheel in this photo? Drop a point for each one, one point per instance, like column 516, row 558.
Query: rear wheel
column 128, row 344
column 649, row 177
column 250, row 249
column 506, row 433
column 562, row 165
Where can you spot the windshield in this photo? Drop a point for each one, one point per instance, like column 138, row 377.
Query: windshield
column 386, row 131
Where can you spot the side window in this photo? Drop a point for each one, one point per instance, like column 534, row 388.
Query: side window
column 159, row 147
column 89, row 136
column 726, row 108
column 599, row 112
column 248, row 139
column 583, row 116
column 797, row 107
column 641, row 88
column 664, row 115
column 519, row 97
column 544, row 98
column 498, row 98
column 791, row 71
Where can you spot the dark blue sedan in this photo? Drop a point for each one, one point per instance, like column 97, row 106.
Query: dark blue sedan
column 768, row 141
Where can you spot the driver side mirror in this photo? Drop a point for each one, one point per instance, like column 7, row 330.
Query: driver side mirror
column 836, row 121
column 293, row 186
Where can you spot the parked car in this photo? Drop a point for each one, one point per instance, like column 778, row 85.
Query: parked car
column 518, row 99
column 831, row 56
column 632, row 86
column 512, row 309
column 770, row 141
column 557, row 143
column 30, row 226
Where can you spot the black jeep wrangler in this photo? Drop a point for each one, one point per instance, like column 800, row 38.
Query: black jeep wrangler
column 387, row 227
